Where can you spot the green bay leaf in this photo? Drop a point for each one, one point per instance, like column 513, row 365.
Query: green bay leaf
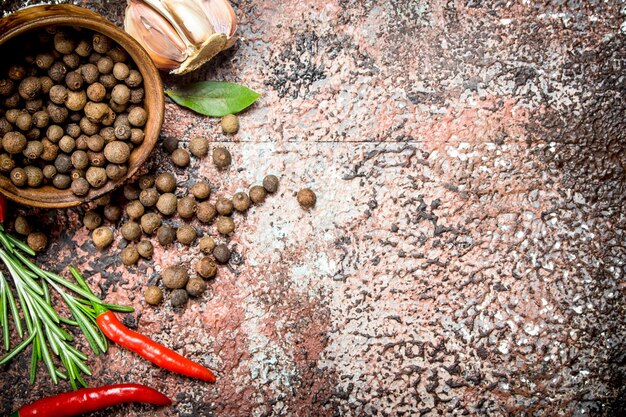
column 214, row 98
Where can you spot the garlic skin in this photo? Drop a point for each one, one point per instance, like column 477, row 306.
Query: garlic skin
column 181, row 35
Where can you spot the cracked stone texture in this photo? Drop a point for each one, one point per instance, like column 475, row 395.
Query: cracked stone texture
column 466, row 255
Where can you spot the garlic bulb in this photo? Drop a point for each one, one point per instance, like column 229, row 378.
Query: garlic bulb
column 181, row 35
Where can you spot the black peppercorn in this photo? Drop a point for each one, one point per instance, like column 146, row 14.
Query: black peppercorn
column 270, row 183
column 221, row 253
column 80, row 186
column 221, row 157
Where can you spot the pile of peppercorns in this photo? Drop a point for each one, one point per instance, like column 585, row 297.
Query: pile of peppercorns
column 152, row 202
column 71, row 110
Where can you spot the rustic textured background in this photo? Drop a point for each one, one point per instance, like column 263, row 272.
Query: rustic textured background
column 466, row 255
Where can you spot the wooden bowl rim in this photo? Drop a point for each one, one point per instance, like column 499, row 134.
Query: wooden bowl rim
column 154, row 101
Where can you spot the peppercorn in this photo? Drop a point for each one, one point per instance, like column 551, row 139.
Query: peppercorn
column 130, row 255
column 205, row 212
column 117, row 54
column 41, row 119
column 95, row 143
column 90, row 73
column 221, row 157
column 206, row 244
column 76, row 100
column 96, row 176
column 201, row 190
column 224, row 206
column 67, row 144
column 5, row 126
column 122, row 131
column 71, row 60
column 186, row 234
column 18, row 177
column 186, row 207
column 12, row 114
column 175, row 277
column 180, row 157
column 63, row 163
column 54, row 133
column 131, row 231
column 12, row 101
column 179, row 298
column 101, row 43
column 33, row 149
column 105, row 65
column 44, row 60
column 167, row 204
column 221, row 253
column 120, row 94
column 96, row 159
column 6, row 87
column 49, row 171
column 170, row 144
column 57, row 113
column 153, row 295
column 21, row 225
column 149, row 197
column 109, row 81
column 116, row 172
column 136, row 95
column 24, row 121
column 80, row 186
column 80, row 160
column 108, row 134
column 134, row 79
column 73, row 130
column 112, row 213
column 77, row 173
column 6, row 163
column 29, row 88
column 166, row 234
column 96, row 112
column 137, row 116
column 230, row 124
column 306, row 198
column 74, row 80
column 96, row 92
column 241, row 202
column 102, row 237
column 117, row 152
column 63, row 42
column 103, row 200
column 83, row 48
column 33, row 105
column 118, row 108
column 257, row 194
column 150, row 222
column 46, row 84
column 130, row 192
column 165, row 183
column 34, row 176
column 92, row 220
column 61, row 181
column 145, row 249
column 57, row 71
column 136, row 136
column 270, row 183
column 37, row 241
column 135, row 209
column 17, row 72
column 225, row 225
column 94, row 58
column 195, row 287
column 14, row 142
column 199, row 147
column 121, row 71
column 206, row 268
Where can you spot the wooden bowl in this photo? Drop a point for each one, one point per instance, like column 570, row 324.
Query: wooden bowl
column 37, row 17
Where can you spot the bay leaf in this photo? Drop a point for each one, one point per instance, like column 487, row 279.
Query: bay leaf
column 214, row 98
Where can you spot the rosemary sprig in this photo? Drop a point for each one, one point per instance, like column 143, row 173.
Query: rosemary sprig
column 28, row 290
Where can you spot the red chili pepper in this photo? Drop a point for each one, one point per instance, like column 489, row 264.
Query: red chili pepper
column 148, row 348
column 3, row 208
column 88, row 400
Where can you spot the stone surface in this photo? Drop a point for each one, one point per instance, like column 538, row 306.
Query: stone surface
column 466, row 254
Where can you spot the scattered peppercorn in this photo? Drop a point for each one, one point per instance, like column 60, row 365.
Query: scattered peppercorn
column 205, row 212
column 92, row 220
column 186, row 207
column 186, row 234
column 270, row 183
column 221, row 253
column 195, row 287
column 221, row 157
column 149, row 197
column 153, row 295
column 206, row 244
column 199, row 147
column 150, row 222
column 167, row 204
column 102, row 237
column 135, row 209
column 201, row 190
column 37, row 241
column 131, row 231
column 166, row 234
column 175, row 277
column 80, row 186
column 224, row 206
column 206, row 268
column 130, row 255
column 179, row 298
column 306, row 198
column 145, row 249
column 22, row 226
column 230, row 124
column 225, row 225
column 170, row 144
column 257, row 194
column 166, row 183
column 180, row 158
column 112, row 213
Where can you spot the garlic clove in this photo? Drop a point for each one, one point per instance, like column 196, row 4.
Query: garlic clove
column 221, row 15
column 191, row 19
column 215, row 44
column 155, row 34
